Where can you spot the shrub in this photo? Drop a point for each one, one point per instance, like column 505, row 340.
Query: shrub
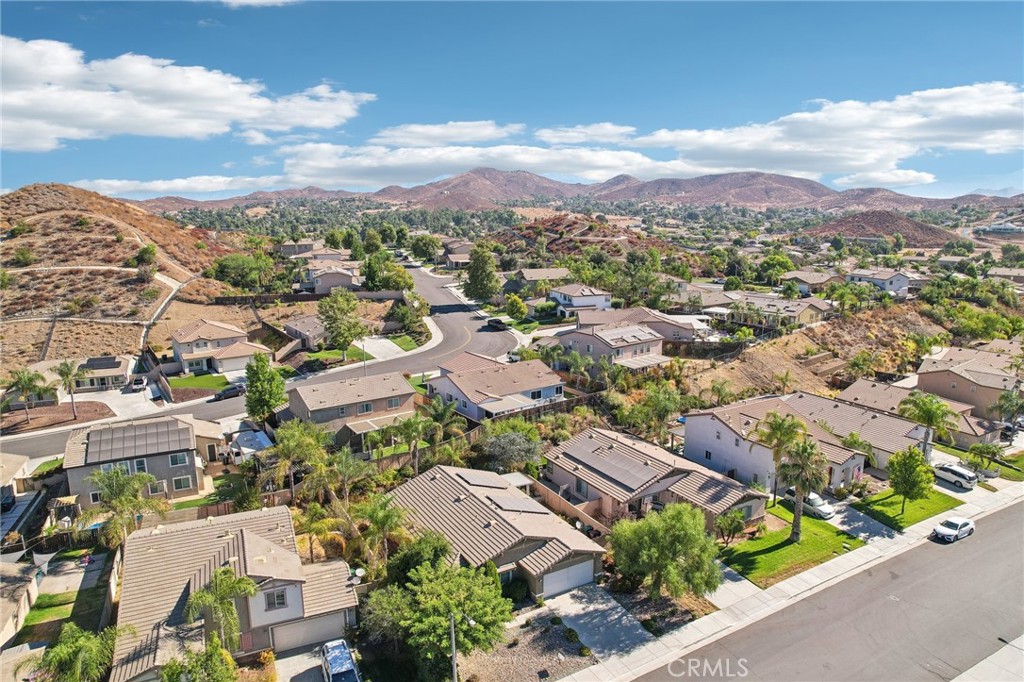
column 526, row 623
column 556, row 620
column 585, row 651
column 200, row 245
column 149, row 294
column 23, row 257
column 572, row 636
column 516, row 590
column 761, row 529
column 82, row 221
column 514, row 642
column 841, row 493
column 119, row 238
column 652, row 627
column 18, row 230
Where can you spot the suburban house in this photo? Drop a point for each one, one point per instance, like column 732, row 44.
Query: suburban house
column 571, row 298
column 19, row 593
column 671, row 283
column 205, row 346
column 672, row 328
column 528, row 279
column 308, row 329
column 295, row 247
column 324, row 276
column 12, row 468
column 323, row 253
column 615, row 475
column 107, row 372
column 456, row 253
column 810, row 282
column 168, row 448
column 634, row 346
column 1015, row 275
column 892, row 281
column 724, row 439
column 971, row 376
column 887, row 398
column 352, row 407
column 485, row 392
column 295, row 605
column 487, row 518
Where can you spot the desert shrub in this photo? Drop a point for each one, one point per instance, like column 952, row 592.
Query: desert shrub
column 23, row 257
column 200, row 245
column 556, row 620
column 149, row 294
column 516, row 590
column 18, row 230
column 585, row 651
column 572, row 636
column 119, row 238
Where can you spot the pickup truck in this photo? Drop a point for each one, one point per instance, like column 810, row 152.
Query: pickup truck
column 497, row 323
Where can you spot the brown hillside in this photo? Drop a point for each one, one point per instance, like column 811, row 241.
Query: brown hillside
column 172, row 204
column 568, row 234
column 874, row 224
column 480, row 188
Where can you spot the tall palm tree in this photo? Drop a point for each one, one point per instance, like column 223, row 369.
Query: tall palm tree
column 28, row 386
column 385, row 523
column 447, row 422
column 806, row 469
column 854, row 441
column 70, row 374
column 931, row 412
column 121, row 503
column 216, row 601
column 578, row 365
column 350, row 470
column 315, row 523
column 412, row 431
column 784, row 380
column 721, row 392
column 298, row 442
column 78, row 655
column 552, row 355
column 776, row 432
column 604, row 369
column 861, row 364
column 373, row 440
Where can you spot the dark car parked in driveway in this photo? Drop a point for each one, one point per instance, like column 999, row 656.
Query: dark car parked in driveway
column 232, row 391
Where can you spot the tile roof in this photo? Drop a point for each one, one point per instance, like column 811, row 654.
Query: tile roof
column 351, row 390
column 489, row 383
column 886, row 432
column 876, row 273
column 711, row 490
column 483, row 515
column 124, row 440
column 465, row 362
column 542, row 274
column 327, row 588
column 206, row 329
column 307, row 324
column 981, row 367
column 809, row 277
column 242, row 349
column 588, row 318
column 580, row 290
column 625, row 334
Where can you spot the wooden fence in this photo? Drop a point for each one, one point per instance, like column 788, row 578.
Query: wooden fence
column 558, row 504
column 108, row 601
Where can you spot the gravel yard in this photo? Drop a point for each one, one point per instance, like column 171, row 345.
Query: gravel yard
column 659, row 616
column 538, row 649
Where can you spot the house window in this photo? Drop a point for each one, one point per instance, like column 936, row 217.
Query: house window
column 448, row 397
column 276, row 600
column 366, row 408
column 156, row 488
column 618, row 352
column 973, row 387
column 590, row 349
column 953, row 385
column 94, row 497
column 718, row 435
column 182, row 483
column 534, row 395
column 558, row 390
column 707, row 454
column 737, row 442
column 582, row 488
column 140, row 466
column 753, row 479
column 464, row 406
column 105, row 468
column 394, row 403
column 178, row 459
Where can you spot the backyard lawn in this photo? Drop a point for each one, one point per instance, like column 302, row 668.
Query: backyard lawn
column 766, row 560
column 48, row 615
column 885, row 507
column 397, row 449
column 416, row 381
column 224, row 488
column 405, row 342
column 355, row 354
column 48, row 466
column 212, row 382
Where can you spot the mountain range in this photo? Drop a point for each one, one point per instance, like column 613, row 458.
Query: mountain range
column 484, row 188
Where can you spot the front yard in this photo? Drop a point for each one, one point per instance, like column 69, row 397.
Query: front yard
column 885, row 507
column 405, row 342
column 662, row 615
column 208, row 382
column 355, row 354
column 771, row 558
column 526, row 652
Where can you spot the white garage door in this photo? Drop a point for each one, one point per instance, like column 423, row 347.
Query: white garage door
column 564, row 580
column 304, row 633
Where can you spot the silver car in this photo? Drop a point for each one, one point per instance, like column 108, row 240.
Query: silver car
column 957, row 475
column 814, row 505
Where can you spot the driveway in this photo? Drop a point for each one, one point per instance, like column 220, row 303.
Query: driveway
column 859, row 524
column 299, row 665
column 602, row 624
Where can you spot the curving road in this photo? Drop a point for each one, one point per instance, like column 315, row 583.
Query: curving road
column 463, row 331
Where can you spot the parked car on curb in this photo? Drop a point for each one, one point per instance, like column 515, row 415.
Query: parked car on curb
column 232, row 391
column 337, row 662
column 139, row 384
column 497, row 323
column 959, row 476
column 814, row 505
column 954, row 528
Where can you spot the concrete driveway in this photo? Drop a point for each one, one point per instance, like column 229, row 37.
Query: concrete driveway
column 859, row 524
column 299, row 665
column 602, row 624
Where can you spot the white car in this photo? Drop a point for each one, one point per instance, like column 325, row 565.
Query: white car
column 813, row 504
column 959, row 476
column 954, row 528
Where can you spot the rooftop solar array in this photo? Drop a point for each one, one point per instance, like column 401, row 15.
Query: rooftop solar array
column 517, row 504
column 138, row 440
column 605, row 462
column 483, row 479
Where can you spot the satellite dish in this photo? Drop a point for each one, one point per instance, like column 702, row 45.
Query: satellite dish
column 356, row 580
column 360, row 572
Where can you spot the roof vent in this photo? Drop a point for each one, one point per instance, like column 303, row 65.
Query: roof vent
column 611, row 446
column 488, row 523
column 647, row 462
column 228, row 535
column 590, row 436
column 874, row 416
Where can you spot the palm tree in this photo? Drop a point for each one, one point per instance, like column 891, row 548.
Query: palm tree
column 604, row 369
column 720, row 390
column 216, row 601
column 806, row 469
column 70, row 374
column 384, row 523
column 776, row 432
column 350, row 470
column 28, row 386
column 785, row 380
column 121, row 503
column 551, row 355
column 1010, row 406
column 447, row 422
column 315, row 523
column 861, row 364
column 373, row 440
column 578, row 366
column 931, row 412
column 78, row 655
column 298, row 442
column 412, row 431
column 854, row 441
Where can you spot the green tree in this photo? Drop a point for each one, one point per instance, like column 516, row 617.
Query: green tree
column 732, row 283
column 211, row 664
column 579, row 365
column 383, row 614
column 372, row 242
column 933, row 413
column 70, row 373
column 264, row 388
column 861, row 364
column 776, row 432
column 784, row 380
column 385, row 523
column 28, row 386
column 910, row 476
column 298, row 442
column 447, row 422
column 146, row 255
column 985, row 452
column 669, row 549
column 790, row 290
column 315, row 523
column 721, row 392
column 77, row 656
column 854, row 441
column 482, row 281
column 510, row 452
column 428, row 547
column 121, row 503
column 806, row 469
column 425, row 247
column 337, row 313
column 413, row 431
column 1010, row 406
column 215, row 602
column 515, row 308
column 729, row 525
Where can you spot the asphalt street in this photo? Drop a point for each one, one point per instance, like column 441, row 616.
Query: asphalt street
column 927, row 614
column 463, row 331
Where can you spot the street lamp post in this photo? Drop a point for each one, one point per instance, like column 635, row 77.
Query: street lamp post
column 455, row 659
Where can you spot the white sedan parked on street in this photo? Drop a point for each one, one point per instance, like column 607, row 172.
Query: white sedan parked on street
column 954, row 528
column 959, row 476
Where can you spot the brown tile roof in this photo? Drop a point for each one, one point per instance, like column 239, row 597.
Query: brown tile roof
column 327, row 588
column 352, row 390
column 206, row 329
column 242, row 349
column 466, row 362
column 981, row 367
column 542, row 274
column 1011, row 346
column 711, row 490
column 588, row 318
column 886, row 432
column 504, row 379
column 808, row 277
column 580, row 290
column 887, row 398
column 483, row 515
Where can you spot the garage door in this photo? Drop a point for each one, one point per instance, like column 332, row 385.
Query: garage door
column 304, row 633
column 566, row 579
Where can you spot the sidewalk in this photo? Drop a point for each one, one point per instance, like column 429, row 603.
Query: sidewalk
column 706, row 630
column 1005, row 665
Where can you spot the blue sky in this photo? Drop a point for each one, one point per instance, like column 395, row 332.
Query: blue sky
column 212, row 99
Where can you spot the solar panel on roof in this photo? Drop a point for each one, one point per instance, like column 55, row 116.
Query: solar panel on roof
column 483, row 479
column 617, row 468
column 106, row 362
column 517, row 504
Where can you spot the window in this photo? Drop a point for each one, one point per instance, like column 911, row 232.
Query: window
column 110, row 465
column 534, row 395
column 140, row 466
column 718, row 435
column 341, row 411
column 182, row 483
column 590, row 348
column 753, row 479
column 464, row 406
column 582, row 488
column 366, row 408
column 394, row 403
column 276, row 599
column 178, row 459
column 953, row 385
column 707, row 454
column 448, row 397
column 156, row 488
column 618, row 352
column 558, row 390
column 94, row 497
column 973, row 387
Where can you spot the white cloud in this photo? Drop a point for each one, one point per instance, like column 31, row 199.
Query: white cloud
column 196, row 184
column 453, row 132
column 228, row 164
column 254, row 137
column 602, row 133
column 208, row 23
column 51, row 94
column 261, row 160
column 886, row 178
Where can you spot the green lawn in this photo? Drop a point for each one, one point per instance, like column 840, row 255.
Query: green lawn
column 213, row 382
column 1008, row 474
column 771, row 558
column 526, row 327
column 286, row 372
column 416, row 381
column 51, row 611
column 355, row 354
column 405, row 342
column 66, row 554
column 47, row 466
column 885, row 507
column 224, row 487
column 397, row 449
